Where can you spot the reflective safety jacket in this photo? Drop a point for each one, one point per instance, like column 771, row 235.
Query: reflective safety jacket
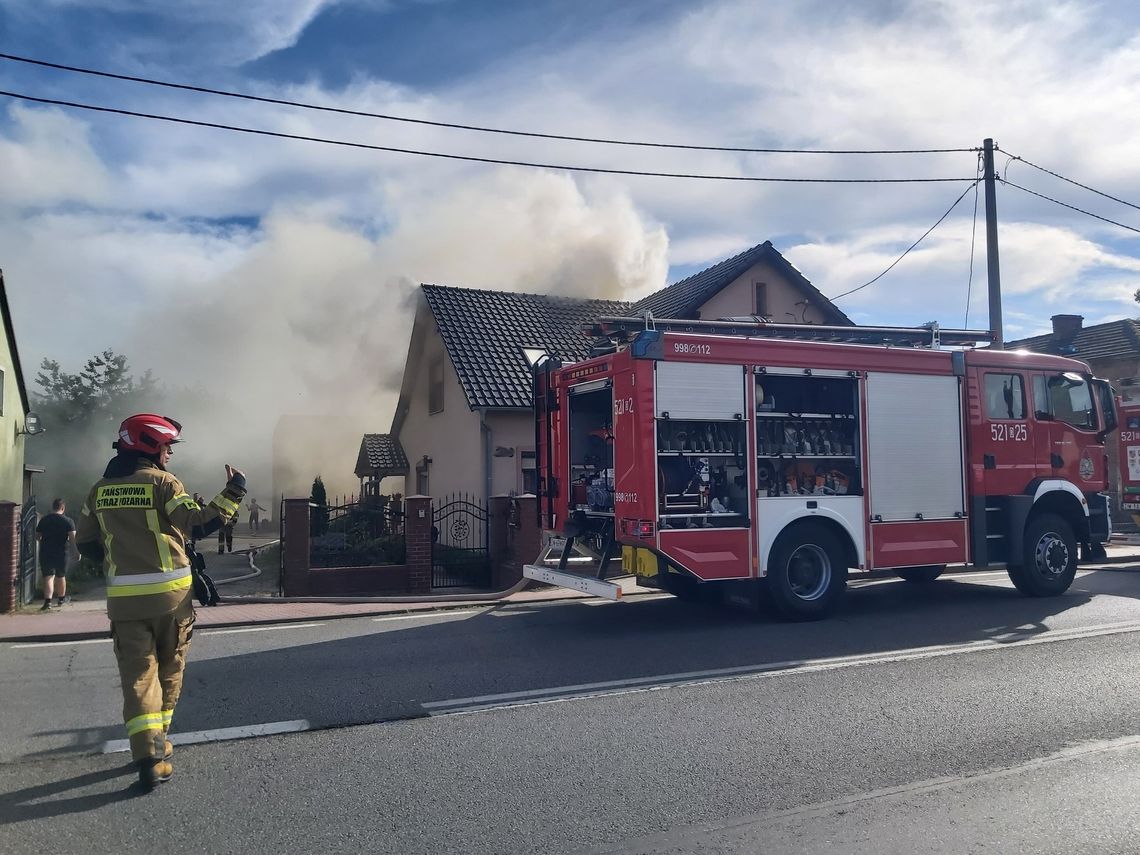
column 139, row 518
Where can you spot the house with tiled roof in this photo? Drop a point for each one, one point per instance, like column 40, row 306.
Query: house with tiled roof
column 463, row 422
column 1112, row 351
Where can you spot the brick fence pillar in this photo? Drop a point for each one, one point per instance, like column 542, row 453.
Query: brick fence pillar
column 524, row 541
column 295, row 555
column 9, row 557
column 418, row 541
column 498, row 534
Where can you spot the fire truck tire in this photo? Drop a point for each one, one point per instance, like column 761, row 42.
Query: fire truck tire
column 807, row 573
column 1050, row 557
column 921, row 575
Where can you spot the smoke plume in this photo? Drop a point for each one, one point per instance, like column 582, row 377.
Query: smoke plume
column 313, row 322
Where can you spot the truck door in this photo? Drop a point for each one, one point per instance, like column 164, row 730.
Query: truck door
column 1070, row 418
column 1005, row 439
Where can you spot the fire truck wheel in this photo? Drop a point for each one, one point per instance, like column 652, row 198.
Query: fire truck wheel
column 1050, row 558
column 921, row 575
column 807, row 573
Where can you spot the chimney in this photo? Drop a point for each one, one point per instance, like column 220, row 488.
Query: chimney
column 1066, row 326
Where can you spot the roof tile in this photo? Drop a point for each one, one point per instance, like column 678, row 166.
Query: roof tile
column 1101, row 341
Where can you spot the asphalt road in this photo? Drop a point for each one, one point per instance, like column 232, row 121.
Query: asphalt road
column 956, row 718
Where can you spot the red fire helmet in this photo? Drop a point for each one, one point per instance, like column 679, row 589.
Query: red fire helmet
column 147, row 433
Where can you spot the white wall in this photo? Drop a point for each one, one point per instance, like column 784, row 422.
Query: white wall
column 509, row 430
column 737, row 298
column 451, row 438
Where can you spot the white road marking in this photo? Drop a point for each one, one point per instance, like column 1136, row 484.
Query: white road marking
column 205, row 631
column 221, row 734
column 60, row 643
column 430, row 615
column 582, row 691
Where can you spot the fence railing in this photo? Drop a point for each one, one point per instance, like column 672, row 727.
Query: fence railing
column 356, row 533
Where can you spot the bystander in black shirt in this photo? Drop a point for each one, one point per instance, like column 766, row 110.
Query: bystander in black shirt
column 54, row 530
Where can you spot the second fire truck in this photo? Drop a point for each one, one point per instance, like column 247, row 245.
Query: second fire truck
column 759, row 456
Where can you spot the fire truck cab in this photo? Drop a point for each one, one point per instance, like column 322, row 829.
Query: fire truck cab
column 773, row 457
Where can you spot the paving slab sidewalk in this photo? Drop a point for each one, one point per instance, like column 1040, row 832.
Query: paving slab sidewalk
column 88, row 619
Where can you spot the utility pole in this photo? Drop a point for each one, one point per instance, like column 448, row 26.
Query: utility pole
column 992, row 268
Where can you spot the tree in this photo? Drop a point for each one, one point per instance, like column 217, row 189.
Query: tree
column 81, row 412
column 319, row 512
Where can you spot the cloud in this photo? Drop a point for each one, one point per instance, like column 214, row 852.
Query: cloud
column 230, row 33
column 1047, row 267
column 46, row 158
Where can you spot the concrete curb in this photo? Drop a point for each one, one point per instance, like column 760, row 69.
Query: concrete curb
column 84, row 635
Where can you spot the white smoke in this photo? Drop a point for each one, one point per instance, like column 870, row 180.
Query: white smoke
column 315, row 318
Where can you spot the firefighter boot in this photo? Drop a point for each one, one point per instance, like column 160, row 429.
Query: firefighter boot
column 157, row 768
column 153, row 771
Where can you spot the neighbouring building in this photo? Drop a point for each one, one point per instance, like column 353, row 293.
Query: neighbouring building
column 15, row 476
column 463, row 423
column 1112, row 351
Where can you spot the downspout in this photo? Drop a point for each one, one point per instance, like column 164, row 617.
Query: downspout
column 485, row 430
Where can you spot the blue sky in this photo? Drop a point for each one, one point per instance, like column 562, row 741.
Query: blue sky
column 287, row 264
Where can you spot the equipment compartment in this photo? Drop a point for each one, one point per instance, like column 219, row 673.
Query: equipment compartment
column 702, row 473
column 592, row 447
column 807, row 436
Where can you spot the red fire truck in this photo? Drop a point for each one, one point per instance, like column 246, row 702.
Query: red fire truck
column 756, row 457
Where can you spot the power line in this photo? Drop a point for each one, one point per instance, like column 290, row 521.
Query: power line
column 454, row 125
column 468, row 157
column 1067, row 205
column 1013, row 157
column 912, row 246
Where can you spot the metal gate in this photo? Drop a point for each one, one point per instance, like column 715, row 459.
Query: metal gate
column 459, row 555
column 28, row 551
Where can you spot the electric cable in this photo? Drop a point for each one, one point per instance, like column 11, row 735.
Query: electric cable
column 1070, row 207
column 467, row 157
column 455, row 125
column 1071, row 181
column 912, row 246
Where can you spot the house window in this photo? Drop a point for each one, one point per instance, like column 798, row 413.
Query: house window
column 529, row 472
column 760, row 303
column 1005, row 396
column 435, row 386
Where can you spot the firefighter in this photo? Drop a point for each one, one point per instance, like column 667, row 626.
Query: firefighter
column 226, row 536
column 136, row 521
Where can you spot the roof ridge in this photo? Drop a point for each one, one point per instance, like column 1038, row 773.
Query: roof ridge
column 469, row 290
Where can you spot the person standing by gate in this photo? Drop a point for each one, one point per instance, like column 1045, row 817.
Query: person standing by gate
column 254, row 515
column 56, row 532
column 137, row 521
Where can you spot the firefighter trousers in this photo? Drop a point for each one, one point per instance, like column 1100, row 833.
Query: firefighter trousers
column 152, row 656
